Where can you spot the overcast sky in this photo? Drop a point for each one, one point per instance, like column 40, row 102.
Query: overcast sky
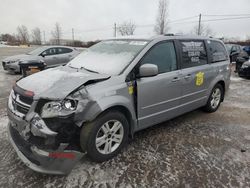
column 92, row 19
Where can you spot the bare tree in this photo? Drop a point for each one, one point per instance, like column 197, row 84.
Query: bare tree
column 10, row 39
column 23, row 34
column 36, row 36
column 248, row 38
column 161, row 26
column 205, row 30
column 57, row 34
column 127, row 28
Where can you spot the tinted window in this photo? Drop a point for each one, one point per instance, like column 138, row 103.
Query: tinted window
column 163, row 55
column 217, row 51
column 50, row 51
column 239, row 49
column 234, row 49
column 64, row 50
column 193, row 53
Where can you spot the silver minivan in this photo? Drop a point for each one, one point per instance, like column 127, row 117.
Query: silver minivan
column 95, row 103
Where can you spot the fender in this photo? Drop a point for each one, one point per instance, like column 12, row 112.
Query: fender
column 219, row 78
column 97, row 107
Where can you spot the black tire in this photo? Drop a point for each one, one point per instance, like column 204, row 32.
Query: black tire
column 90, row 130
column 209, row 107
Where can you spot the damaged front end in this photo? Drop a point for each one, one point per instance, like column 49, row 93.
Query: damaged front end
column 46, row 133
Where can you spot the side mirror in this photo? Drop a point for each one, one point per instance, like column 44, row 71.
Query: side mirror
column 148, row 70
column 234, row 52
column 42, row 54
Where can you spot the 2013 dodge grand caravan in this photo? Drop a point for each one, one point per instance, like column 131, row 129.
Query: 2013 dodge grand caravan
column 115, row 88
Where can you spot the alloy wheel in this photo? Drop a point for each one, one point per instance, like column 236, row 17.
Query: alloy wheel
column 109, row 137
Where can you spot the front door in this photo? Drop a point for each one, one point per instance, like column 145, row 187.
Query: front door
column 50, row 57
column 159, row 96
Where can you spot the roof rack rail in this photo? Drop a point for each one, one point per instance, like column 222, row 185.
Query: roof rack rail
column 169, row 34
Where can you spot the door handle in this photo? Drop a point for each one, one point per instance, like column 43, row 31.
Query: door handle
column 187, row 76
column 175, row 79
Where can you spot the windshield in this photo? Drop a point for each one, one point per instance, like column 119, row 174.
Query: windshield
column 37, row 51
column 229, row 47
column 108, row 57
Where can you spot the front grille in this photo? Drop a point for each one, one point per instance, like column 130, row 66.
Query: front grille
column 21, row 103
column 26, row 100
column 20, row 108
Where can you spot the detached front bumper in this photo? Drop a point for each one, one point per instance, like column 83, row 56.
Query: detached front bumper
column 49, row 161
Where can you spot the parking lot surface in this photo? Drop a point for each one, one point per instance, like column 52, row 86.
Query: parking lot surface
column 194, row 150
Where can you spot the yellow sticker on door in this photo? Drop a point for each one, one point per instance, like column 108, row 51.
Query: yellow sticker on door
column 199, row 78
column 130, row 90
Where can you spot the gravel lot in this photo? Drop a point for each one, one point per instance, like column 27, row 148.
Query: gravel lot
column 194, row 150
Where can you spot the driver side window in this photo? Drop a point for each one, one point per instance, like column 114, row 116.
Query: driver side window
column 163, row 55
column 233, row 49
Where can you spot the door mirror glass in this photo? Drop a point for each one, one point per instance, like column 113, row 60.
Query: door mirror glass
column 147, row 70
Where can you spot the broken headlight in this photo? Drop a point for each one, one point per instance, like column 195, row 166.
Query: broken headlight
column 59, row 108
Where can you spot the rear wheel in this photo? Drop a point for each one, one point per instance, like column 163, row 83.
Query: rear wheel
column 214, row 99
column 104, row 137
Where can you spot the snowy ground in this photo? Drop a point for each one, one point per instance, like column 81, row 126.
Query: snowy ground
column 194, row 150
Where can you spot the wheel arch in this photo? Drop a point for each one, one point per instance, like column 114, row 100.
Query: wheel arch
column 222, row 83
column 124, row 110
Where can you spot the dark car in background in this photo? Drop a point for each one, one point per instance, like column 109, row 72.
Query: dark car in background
column 236, row 51
column 244, row 70
column 50, row 56
column 247, row 49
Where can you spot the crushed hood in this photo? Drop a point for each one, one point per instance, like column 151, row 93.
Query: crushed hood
column 58, row 82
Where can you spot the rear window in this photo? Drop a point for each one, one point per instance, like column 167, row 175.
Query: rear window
column 217, row 51
column 193, row 53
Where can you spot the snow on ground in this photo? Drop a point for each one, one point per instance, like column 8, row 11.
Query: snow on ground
column 233, row 78
column 3, row 124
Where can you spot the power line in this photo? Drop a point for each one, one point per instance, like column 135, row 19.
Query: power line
column 220, row 19
column 182, row 19
column 225, row 15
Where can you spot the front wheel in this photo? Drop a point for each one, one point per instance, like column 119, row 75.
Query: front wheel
column 214, row 99
column 104, row 137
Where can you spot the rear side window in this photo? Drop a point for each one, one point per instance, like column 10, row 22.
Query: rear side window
column 193, row 53
column 217, row 51
column 64, row 50
column 163, row 55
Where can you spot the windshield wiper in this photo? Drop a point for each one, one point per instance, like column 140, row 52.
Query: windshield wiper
column 89, row 70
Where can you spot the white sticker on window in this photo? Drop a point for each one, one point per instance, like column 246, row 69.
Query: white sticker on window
column 142, row 43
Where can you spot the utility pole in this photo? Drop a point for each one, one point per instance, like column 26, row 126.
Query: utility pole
column 115, row 30
column 199, row 27
column 73, row 37
column 44, row 39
